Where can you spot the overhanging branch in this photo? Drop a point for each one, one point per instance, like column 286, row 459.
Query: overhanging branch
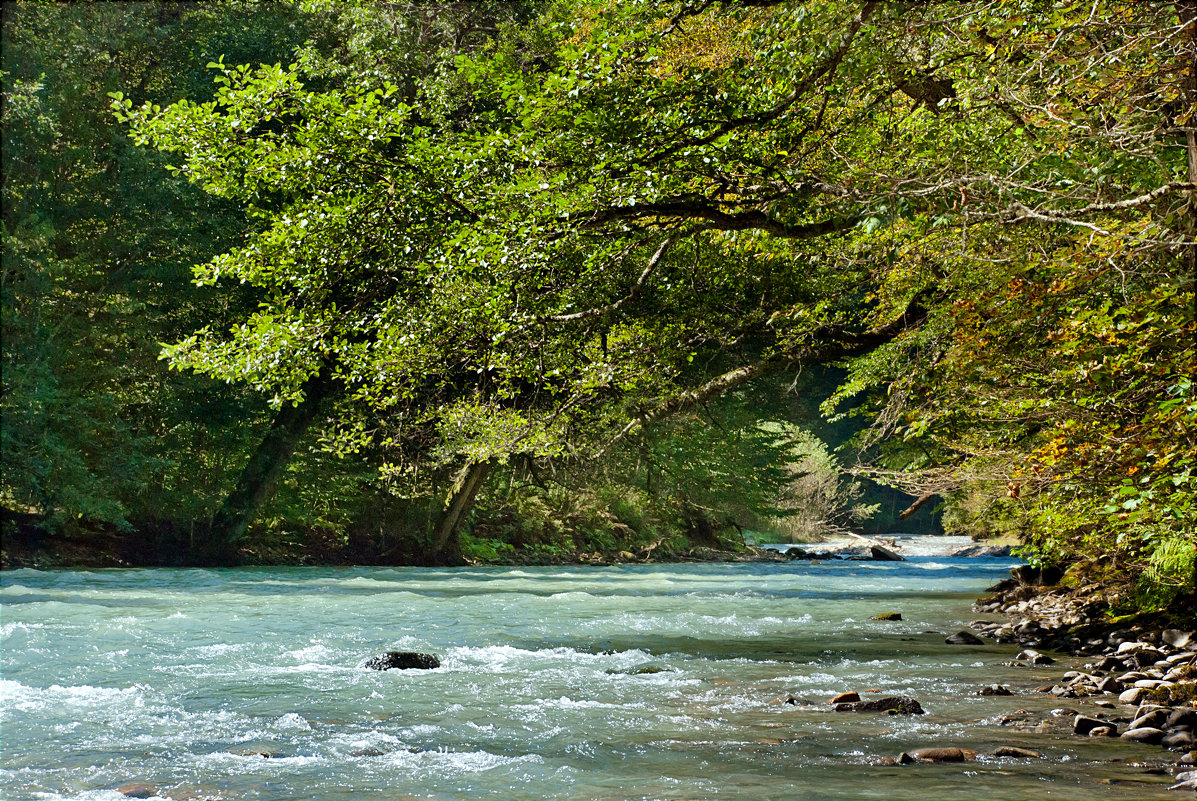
column 829, row 350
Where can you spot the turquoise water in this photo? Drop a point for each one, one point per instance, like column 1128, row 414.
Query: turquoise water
column 175, row 678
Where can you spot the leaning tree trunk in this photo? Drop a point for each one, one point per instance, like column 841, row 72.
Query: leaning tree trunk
column 446, row 546
column 257, row 481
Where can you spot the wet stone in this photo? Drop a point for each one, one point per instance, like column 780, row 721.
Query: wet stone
column 1144, row 734
column 893, row 705
column 403, row 660
column 1016, row 753
column 1082, row 724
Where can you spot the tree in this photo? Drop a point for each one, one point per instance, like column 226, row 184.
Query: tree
column 606, row 216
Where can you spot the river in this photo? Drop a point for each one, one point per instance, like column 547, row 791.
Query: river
column 178, row 678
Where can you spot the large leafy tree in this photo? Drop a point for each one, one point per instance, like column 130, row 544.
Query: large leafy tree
column 97, row 251
column 622, row 210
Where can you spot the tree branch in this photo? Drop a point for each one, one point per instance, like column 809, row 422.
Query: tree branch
column 599, row 311
column 817, row 353
column 720, row 220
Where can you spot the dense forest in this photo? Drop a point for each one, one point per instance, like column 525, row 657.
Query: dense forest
column 417, row 282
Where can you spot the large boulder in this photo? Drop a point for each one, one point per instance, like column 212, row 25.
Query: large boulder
column 403, row 660
column 891, row 705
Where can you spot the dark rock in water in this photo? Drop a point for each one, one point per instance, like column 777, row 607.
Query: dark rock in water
column 1181, row 717
column 995, row 689
column 945, row 754
column 796, row 553
column 1144, row 734
column 1034, row 657
column 882, row 554
column 888, row 616
column 366, row 752
column 1082, row 725
column 138, row 790
column 845, row 698
column 647, row 670
column 886, row 761
column 964, row 638
column 1015, row 752
column 796, row 701
column 403, row 660
column 892, row 705
column 1180, row 740
column 906, row 759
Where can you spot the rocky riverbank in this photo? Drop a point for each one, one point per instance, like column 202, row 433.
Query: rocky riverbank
column 1140, row 677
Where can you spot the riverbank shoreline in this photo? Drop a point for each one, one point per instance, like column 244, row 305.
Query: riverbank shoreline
column 1132, row 676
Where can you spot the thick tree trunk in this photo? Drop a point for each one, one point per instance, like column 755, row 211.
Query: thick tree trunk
column 257, row 481
column 446, row 547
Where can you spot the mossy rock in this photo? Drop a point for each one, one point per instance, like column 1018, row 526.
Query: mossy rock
column 1179, row 694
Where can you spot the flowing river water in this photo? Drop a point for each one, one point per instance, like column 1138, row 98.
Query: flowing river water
column 179, row 679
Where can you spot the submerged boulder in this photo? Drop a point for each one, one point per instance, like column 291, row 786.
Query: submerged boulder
column 403, row 660
column 964, row 638
column 943, row 754
column 1015, row 752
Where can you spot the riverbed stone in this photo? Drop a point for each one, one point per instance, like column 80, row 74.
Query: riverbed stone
column 964, row 638
column 1189, row 786
column 1108, row 730
column 1015, row 752
column 943, row 754
column 1179, row 740
column 1155, row 718
column 1083, row 724
column 1181, row 717
column 1143, row 734
column 892, row 705
column 905, row 759
column 995, row 689
column 846, row 698
column 138, row 790
column 403, row 660
column 1132, row 696
column 1176, row 637
column 888, row 616
column 1033, row 657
